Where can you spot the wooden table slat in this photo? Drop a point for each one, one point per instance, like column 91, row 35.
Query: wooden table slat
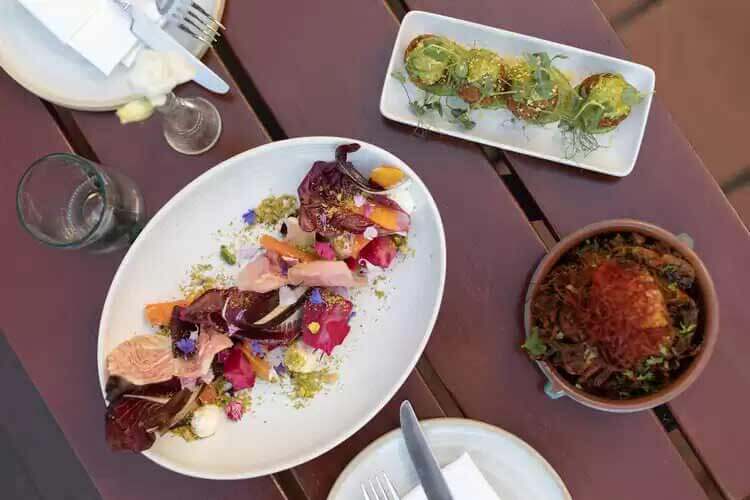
column 669, row 187
column 339, row 51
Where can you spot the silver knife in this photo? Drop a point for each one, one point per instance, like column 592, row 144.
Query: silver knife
column 425, row 463
column 155, row 37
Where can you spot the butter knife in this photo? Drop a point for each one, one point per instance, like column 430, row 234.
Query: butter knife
column 155, row 37
column 425, row 463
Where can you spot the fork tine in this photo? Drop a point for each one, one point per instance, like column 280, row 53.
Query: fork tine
column 382, row 490
column 364, row 492
column 208, row 34
column 374, row 492
column 200, row 9
column 201, row 24
column 197, row 36
column 390, row 487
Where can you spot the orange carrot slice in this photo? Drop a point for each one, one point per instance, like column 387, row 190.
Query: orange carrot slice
column 282, row 248
column 261, row 367
column 387, row 218
column 386, row 176
column 160, row 313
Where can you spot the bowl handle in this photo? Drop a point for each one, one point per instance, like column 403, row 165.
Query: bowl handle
column 687, row 240
column 553, row 390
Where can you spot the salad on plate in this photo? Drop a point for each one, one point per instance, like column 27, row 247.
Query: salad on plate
column 276, row 319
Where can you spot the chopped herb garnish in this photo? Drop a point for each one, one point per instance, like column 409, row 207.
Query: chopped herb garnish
column 534, row 344
column 227, row 255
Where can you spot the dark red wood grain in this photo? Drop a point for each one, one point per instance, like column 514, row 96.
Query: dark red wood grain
column 320, row 68
column 51, row 304
column 669, row 187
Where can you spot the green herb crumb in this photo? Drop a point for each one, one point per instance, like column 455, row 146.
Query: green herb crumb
column 185, row 432
column 274, row 209
column 534, row 344
column 227, row 255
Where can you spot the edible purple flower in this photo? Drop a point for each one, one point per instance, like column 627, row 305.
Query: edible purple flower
column 315, row 297
column 354, row 313
column 280, row 369
column 256, row 347
column 186, row 345
column 249, row 217
column 359, row 200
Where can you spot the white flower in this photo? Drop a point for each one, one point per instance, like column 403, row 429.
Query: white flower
column 371, row 233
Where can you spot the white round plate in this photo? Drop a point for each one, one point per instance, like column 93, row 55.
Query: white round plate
column 41, row 63
column 513, row 468
column 387, row 337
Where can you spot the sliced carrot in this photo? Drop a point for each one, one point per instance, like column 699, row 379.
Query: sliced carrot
column 386, row 176
column 160, row 313
column 360, row 242
column 282, row 248
column 387, row 218
column 261, row 367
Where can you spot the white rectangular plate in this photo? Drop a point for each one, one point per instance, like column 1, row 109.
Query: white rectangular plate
column 497, row 128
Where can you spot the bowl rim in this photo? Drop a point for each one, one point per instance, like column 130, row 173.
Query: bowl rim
column 707, row 292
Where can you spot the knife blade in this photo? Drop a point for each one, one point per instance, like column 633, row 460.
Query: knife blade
column 155, row 37
column 425, row 463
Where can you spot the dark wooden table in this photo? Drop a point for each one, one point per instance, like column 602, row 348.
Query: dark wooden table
column 316, row 68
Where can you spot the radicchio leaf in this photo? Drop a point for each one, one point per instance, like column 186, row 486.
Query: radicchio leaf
column 206, row 310
column 326, row 325
column 380, row 252
column 327, row 198
column 117, row 386
column 244, row 308
column 137, row 412
column 238, row 370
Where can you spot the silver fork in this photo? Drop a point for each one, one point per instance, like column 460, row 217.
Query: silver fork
column 376, row 489
column 192, row 18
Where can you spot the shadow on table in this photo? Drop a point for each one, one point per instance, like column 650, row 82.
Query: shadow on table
column 36, row 462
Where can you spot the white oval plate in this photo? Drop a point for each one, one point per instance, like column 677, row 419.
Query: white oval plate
column 494, row 128
column 513, row 468
column 387, row 337
column 58, row 73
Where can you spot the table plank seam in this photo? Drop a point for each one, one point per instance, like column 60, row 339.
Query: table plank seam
column 68, row 127
column 249, row 90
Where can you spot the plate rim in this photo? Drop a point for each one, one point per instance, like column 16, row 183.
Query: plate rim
column 468, row 136
column 186, row 191
column 437, row 423
column 49, row 94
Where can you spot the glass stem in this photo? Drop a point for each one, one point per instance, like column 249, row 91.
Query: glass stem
column 182, row 115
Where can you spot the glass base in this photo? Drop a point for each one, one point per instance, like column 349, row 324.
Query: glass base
column 194, row 127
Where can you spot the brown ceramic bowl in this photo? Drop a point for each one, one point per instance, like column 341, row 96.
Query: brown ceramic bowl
column 558, row 386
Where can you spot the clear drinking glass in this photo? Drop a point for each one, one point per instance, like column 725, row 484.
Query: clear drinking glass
column 191, row 125
column 69, row 202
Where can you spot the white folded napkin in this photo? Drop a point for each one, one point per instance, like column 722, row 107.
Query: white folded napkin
column 97, row 29
column 465, row 481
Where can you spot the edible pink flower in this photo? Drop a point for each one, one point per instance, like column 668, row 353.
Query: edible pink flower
column 325, row 250
column 234, row 410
